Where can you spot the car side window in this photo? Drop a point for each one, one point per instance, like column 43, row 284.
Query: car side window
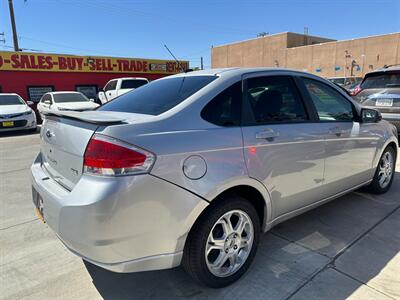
column 274, row 99
column 329, row 103
column 225, row 108
column 46, row 98
column 111, row 85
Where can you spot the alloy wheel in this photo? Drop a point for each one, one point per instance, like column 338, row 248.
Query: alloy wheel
column 229, row 243
column 385, row 172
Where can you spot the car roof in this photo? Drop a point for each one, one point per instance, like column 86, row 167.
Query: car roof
column 235, row 72
column 386, row 69
column 123, row 78
column 63, row 92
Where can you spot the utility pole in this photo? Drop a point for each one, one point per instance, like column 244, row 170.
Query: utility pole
column 14, row 28
column 201, row 63
column 306, row 36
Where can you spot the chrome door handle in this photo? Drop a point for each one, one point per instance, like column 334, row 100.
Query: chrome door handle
column 267, row 134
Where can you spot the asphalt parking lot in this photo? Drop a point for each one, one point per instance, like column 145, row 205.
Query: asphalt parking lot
column 348, row 248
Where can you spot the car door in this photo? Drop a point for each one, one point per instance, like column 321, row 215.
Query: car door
column 350, row 145
column 283, row 147
column 110, row 89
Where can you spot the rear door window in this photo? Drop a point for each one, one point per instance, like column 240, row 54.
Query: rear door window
column 158, row 96
column 225, row 108
column 274, row 99
column 381, row 80
column 132, row 83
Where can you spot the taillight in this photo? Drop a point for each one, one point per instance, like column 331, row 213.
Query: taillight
column 108, row 156
column 355, row 91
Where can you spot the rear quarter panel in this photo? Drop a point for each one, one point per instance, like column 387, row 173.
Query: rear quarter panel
column 220, row 148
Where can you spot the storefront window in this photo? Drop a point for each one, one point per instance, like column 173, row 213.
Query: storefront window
column 89, row 91
column 36, row 92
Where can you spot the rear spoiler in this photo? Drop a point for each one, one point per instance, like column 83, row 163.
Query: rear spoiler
column 94, row 117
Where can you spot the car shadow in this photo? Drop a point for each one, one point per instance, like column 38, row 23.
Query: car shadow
column 289, row 256
column 19, row 133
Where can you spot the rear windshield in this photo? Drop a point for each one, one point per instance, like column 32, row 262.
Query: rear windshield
column 10, row 100
column 381, row 80
column 337, row 80
column 158, row 96
column 132, row 83
column 72, row 97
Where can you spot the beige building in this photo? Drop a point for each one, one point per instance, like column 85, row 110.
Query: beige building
column 322, row 56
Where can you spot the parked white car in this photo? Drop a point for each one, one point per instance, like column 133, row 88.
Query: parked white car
column 15, row 114
column 73, row 101
column 120, row 86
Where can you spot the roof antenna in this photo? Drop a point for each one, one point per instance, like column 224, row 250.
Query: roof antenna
column 180, row 65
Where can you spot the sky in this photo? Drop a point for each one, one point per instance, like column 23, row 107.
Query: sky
column 188, row 28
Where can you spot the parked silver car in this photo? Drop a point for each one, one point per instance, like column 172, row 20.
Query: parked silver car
column 191, row 168
column 380, row 90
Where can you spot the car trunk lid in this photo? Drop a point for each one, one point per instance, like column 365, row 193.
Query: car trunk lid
column 65, row 136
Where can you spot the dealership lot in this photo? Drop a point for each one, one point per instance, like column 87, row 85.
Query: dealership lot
column 349, row 248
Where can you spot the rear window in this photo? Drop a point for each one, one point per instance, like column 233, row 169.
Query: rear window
column 381, row 80
column 337, row 80
column 132, row 83
column 158, row 96
column 10, row 100
column 73, row 97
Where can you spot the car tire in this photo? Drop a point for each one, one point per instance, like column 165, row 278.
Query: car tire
column 384, row 174
column 235, row 244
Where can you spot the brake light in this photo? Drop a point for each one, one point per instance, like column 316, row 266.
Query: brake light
column 108, row 156
column 355, row 91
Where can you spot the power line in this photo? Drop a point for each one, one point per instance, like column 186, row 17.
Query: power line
column 65, row 46
column 21, row 49
column 157, row 18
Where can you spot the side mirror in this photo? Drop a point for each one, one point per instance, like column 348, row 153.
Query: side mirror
column 91, row 99
column 370, row 115
column 29, row 103
column 47, row 102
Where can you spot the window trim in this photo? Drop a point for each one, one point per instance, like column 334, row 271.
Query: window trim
column 247, row 114
column 306, row 95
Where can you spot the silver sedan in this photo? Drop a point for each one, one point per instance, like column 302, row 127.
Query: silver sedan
column 190, row 169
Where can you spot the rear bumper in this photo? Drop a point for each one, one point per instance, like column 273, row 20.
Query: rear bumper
column 123, row 224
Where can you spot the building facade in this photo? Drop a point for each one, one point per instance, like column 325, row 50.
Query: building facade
column 321, row 56
column 32, row 74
